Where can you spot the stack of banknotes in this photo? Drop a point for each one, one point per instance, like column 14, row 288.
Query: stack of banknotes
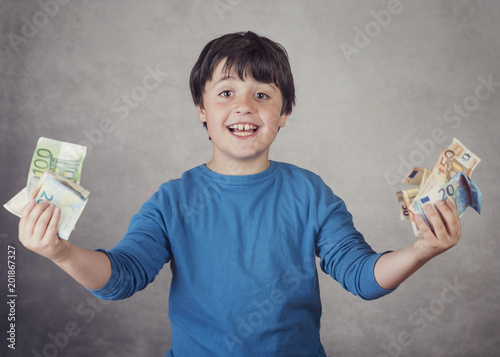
column 55, row 172
column 450, row 178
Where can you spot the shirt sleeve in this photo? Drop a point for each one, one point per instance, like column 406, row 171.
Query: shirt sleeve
column 344, row 254
column 141, row 254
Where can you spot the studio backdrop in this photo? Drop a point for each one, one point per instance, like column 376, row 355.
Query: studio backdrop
column 381, row 86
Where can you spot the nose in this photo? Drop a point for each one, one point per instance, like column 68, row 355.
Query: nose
column 244, row 105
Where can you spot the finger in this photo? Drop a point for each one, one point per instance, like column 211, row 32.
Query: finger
column 436, row 222
column 422, row 226
column 33, row 217
column 35, row 192
column 43, row 222
column 22, row 222
column 454, row 209
column 53, row 224
column 450, row 217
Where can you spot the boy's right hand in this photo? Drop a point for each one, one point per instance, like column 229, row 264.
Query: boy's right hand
column 38, row 230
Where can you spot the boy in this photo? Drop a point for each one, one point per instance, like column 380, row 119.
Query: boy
column 241, row 232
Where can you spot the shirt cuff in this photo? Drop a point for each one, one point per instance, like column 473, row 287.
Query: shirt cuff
column 108, row 291
column 374, row 290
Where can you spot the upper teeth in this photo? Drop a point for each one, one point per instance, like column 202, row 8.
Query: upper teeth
column 242, row 126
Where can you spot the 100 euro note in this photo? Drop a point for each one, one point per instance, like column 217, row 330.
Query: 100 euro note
column 62, row 158
column 70, row 197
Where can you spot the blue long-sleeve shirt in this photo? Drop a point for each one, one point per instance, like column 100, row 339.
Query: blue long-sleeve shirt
column 242, row 252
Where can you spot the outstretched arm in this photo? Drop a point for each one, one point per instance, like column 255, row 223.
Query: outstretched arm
column 38, row 232
column 395, row 267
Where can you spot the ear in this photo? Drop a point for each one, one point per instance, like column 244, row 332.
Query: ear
column 283, row 119
column 201, row 114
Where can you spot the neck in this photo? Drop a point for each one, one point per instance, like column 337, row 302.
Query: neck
column 239, row 167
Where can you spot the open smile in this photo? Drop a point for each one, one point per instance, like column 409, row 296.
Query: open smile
column 243, row 130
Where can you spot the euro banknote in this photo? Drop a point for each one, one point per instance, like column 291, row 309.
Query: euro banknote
column 416, row 176
column 454, row 160
column 62, row 158
column 405, row 198
column 70, row 197
column 461, row 190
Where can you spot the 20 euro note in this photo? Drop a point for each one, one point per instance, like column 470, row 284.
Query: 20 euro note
column 455, row 159
column 461, row 190
column 70, row 197
column 62, row 158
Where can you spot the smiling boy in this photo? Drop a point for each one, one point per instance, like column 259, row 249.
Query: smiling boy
column 241, row 232
column 242, row 116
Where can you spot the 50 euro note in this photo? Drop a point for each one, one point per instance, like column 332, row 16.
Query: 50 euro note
column 461, row 190
column 405, row 198
column 416, row 176
column 70, row 197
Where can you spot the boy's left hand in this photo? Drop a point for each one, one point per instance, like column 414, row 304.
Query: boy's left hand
column 445, row 233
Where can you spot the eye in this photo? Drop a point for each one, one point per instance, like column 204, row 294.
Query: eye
column 261, row 96
column 226, row 93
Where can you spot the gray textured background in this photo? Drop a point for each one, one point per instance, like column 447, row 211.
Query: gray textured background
column 357, row 118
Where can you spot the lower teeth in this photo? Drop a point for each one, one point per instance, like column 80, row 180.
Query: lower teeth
column 243, row 133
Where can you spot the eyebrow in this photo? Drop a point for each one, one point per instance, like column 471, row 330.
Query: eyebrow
column 229, row 77
column 225, row 78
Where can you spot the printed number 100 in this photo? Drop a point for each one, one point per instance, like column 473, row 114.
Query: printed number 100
column 43, row 162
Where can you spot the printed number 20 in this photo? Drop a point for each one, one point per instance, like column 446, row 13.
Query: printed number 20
column 449, row 190
column 44, row 194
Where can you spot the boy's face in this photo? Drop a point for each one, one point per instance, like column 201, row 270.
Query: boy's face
column 242, row 116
